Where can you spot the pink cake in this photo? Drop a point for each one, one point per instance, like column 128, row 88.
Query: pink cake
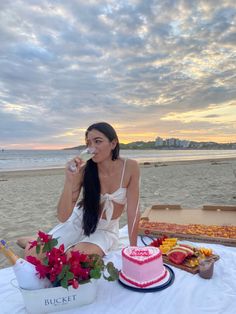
column 142, row 266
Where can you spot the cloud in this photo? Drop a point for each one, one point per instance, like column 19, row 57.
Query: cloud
column 136, row 64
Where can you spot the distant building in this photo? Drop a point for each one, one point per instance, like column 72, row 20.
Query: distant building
column 171, row 142
column 159, row 141
column 184, row 143
column 176, row 142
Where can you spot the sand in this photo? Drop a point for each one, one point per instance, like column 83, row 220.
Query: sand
column 28, row 198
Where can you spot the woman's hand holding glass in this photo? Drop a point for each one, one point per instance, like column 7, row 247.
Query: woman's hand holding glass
column 76, row 163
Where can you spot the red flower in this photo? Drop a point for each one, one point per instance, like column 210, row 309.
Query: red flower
column 52, row 277
column 84, row 273
column 33, row 260
column 76, row 267
column 33, row 244
column 57, row 256
column 54, row 271
column 61, row 270
column 62, row 249
column 75, row 284
column 44, row 237
column 41, row 269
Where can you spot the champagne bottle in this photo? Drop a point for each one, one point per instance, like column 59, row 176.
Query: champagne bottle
column 25, row 272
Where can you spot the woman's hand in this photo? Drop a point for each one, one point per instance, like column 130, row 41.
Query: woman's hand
column 73, row 169
column 72, row 187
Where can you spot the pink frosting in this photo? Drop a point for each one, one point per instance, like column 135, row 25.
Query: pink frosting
column 141, row 255
column 144, row 284
column 142, row 266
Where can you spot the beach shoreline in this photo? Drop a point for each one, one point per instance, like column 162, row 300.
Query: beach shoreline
column 28, row 198
column 145, row 164
column 42, row 159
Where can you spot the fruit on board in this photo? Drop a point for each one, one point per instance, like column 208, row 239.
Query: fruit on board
column 205, row 251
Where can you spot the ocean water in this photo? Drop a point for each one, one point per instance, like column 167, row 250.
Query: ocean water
column 44, row 159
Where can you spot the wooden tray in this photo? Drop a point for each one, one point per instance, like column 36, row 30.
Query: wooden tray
column 192, row 270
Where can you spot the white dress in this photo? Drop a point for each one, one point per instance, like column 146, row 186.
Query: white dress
column 106, row 235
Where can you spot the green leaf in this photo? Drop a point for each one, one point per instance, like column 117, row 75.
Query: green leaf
column 95, row 273
column 63, row 272
column 85, row 265
column 64, row 283
column 38, row 247
column 108, row 278
column 46, row 247
column 52, row 243
column 45, row 261
column 112, row 271
column 69, row 275
column 82, row 282
column 97, row 263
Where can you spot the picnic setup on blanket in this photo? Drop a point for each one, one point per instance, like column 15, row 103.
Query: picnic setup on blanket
column 184, row 262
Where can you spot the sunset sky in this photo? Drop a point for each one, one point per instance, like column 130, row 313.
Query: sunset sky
column 150, row 68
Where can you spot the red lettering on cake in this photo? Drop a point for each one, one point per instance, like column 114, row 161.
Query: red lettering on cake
column 153, row 254
column 136, row 252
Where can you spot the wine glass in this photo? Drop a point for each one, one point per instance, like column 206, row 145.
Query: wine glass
column 85, row 155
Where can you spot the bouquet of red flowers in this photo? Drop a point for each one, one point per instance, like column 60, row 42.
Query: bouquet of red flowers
column 62, row 270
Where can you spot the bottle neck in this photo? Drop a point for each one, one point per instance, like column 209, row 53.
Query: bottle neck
column 10, row 255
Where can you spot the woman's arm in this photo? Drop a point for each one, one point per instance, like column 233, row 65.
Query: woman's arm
column 133, row 210
column 71, row 191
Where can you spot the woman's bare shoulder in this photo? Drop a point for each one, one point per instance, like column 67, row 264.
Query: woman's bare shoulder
column 132, row 165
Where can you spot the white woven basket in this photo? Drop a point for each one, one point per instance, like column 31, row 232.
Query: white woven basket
column 58, row 299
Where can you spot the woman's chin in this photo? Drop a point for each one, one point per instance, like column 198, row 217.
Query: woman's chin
column 95, row 159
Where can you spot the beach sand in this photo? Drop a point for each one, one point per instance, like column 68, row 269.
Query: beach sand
column 28, row 198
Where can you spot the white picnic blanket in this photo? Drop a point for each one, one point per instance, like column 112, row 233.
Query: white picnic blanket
column 188, row 294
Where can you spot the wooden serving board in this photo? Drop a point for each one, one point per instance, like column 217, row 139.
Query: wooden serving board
column 192, row 270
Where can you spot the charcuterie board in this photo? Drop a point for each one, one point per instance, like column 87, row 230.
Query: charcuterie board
column 193, row 270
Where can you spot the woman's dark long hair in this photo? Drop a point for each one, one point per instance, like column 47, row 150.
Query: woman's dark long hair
column 91, row 182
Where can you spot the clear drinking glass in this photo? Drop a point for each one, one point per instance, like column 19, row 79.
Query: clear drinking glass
column 85, row 155
column 206, row 268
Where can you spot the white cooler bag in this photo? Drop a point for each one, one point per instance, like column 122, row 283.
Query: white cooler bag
column 58, row 298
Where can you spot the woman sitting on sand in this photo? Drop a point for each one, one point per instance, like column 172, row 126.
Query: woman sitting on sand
column 109, row 184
